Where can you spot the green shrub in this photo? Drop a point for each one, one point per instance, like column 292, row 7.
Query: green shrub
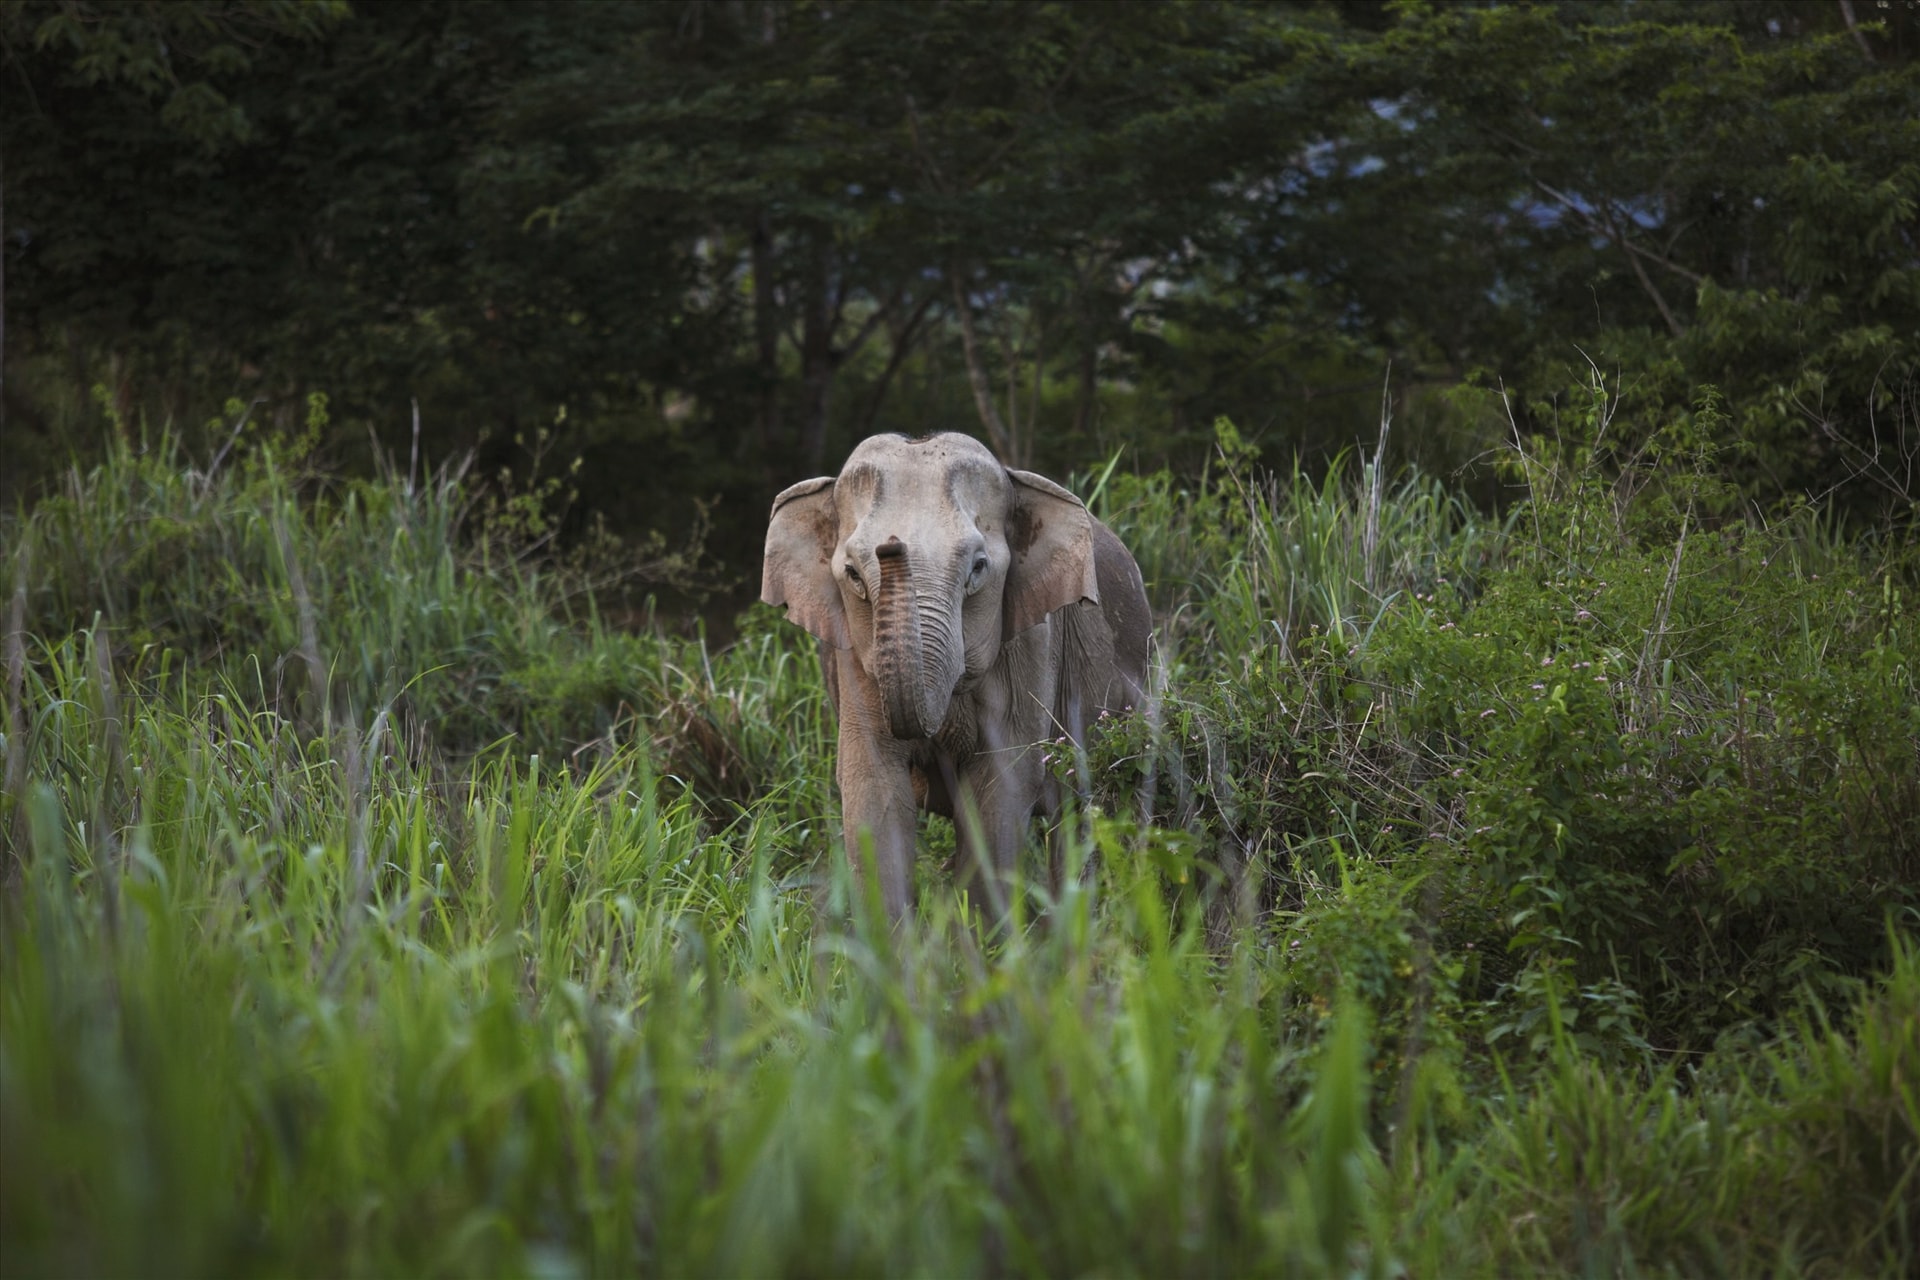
column 1654, row 755
column 442, row 605
column 516, row 942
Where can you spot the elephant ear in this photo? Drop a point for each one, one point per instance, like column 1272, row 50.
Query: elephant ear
column 801, row 536
column 1051, row 537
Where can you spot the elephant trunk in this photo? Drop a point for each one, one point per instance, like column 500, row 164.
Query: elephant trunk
column 900, row 659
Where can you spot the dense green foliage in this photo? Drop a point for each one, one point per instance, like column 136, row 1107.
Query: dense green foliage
column 712, row 245
column 1657, row 758
column 1448, row 911
column 1515, row 868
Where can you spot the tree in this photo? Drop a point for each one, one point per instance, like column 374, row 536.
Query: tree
column 1691, row 194
column 181, row 56
column 707, row 245
column 867, row 170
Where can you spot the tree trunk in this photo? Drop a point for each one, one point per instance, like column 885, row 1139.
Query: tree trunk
column 817, row 362
column 902, row 336
column 766, row 337
column 3, row 292
column 1033, row 402
column 977, row 371
column 1084, row 403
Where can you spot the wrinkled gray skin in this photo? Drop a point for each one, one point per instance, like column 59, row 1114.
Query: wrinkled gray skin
column 969, row 616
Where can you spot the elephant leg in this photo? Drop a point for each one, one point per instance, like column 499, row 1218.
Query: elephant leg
column 999, row 793
column 1004, row 779
column 876, row 795
column 876, row 801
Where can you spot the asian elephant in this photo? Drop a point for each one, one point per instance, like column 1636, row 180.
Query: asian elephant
column 969, row 616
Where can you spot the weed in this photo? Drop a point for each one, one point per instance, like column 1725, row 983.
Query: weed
column 1472, row 897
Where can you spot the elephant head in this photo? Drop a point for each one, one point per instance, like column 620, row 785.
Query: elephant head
column 924, row 557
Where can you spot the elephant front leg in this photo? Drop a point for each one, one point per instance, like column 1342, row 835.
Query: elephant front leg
column 878, row 810
column 992, row 816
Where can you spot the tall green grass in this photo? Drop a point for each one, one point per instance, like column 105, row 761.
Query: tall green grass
column 563, row 1026
column 514, row 944
column 1631, row 745
column 1245, row 561
column 317, row 598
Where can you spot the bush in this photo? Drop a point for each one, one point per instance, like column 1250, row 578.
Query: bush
column 1652, row 754
column 444, row 607
column 1472, row 902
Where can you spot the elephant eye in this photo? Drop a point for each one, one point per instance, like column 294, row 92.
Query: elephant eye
column 854, row 581
column 978, row 573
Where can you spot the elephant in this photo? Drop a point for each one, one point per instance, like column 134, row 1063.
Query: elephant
column 970, row 618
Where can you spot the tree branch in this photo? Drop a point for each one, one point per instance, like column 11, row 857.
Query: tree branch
column 1853, row 28
column 976, row 371
column 1607, row 226
column 920, row 152
column 872, row 322
column 1646, row 281
column 1046, row 98
column 902, row 344
column 1607, row 229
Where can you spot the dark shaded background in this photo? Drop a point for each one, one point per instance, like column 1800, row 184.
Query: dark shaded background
column 703, row 247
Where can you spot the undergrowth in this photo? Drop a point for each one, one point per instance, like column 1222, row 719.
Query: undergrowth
column 1472, row 897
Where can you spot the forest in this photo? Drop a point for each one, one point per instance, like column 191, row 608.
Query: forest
column 419, row 854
